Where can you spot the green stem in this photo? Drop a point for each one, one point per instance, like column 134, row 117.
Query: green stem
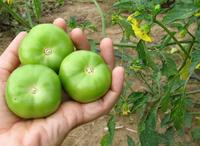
column 193, row 37
column 172, row 36
column 103, row 20
column 145, row 81
column 134, row 46
column 189, row 51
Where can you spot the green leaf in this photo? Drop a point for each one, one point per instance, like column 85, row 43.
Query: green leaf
column 168, row 137
column 180, row 11
column 178, row 112
column 73, row 22
column 169, row 67
column 146, row 56
column 147, row 128
column 196, row 134
column 125, row 5
column 37, row 8
column 149, row 137
column 137, row 100
column 195, row 60
column 165, row 102
column 105, row 141
column 141, row 49
column 108, row 138
column 165, row 120
column 130, row 141
column 126, row 26
column 111, row 127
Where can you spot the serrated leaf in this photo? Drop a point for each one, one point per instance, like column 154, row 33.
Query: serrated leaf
column 178, row 112
column 169, row 67
column 180, row 11
column 148, row 135
column 108, row 138
column 130, row 141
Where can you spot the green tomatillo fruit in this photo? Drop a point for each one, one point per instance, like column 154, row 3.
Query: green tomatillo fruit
column 33, row 91
column 85, row 76
column 45, row 44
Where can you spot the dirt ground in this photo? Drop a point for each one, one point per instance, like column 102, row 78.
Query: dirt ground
column 90, row 134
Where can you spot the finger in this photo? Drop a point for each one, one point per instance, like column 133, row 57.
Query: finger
column 72, row 114
column 93, row 110
column 107, row 52
column 9, row 60
column 79, row 39
column 60, row 23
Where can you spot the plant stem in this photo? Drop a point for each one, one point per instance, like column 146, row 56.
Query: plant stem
column 134, row 46
column 189, row 51
column 172, row 36
column 103, row 20
column 193, row 92
column 145, row 81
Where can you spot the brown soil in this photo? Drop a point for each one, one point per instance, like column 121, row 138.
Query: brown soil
column 90, row 134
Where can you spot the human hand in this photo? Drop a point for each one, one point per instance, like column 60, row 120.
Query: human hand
column 52, row 130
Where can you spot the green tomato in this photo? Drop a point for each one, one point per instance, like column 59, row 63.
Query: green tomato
column 33, row 91
column 45, row 44
column 85, row 76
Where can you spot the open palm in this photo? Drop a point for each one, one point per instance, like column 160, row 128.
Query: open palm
column 52, row 130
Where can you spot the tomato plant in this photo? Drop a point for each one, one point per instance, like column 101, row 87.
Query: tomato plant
column 45, row 44
column 85, row 76
column 33, row 91
column 165, row 36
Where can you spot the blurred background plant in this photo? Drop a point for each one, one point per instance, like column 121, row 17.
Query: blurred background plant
column 166, row 107
column 23, row 15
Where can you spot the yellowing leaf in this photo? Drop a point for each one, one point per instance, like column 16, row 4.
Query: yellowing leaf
column 139, row 33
